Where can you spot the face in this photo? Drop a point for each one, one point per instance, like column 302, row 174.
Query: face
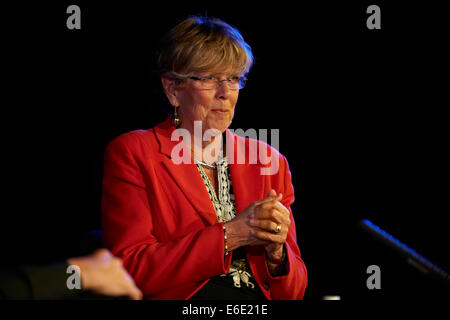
column 214, row 107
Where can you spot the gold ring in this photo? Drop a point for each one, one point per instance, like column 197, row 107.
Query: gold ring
column 278, row 229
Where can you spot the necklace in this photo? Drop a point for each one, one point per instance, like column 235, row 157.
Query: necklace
column 205, row 164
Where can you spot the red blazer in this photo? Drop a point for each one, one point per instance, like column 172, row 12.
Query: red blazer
column 158, row 218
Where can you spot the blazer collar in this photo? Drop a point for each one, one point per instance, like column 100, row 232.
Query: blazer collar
column 246, row 179
column 163, row 132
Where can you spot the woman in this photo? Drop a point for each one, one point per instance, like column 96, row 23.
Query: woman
column 212, row 227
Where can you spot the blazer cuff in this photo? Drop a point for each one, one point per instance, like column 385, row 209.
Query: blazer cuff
column 287, row 267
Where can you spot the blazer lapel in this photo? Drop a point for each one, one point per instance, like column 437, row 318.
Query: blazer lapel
column 186, row 176
column 248, row 183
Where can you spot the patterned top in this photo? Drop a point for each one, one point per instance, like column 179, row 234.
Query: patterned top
column 225, row 207
column 223, row 203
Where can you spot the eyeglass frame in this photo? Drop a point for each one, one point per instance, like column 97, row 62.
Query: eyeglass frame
column 242, row 80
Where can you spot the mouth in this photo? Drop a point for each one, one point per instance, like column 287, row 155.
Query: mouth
column 221, row 110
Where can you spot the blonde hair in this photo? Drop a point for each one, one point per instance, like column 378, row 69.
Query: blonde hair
column 203, row 44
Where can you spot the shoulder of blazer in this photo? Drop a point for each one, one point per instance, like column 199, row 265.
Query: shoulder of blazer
column 134, row 139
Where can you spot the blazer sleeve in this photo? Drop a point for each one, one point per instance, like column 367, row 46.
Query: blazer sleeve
column 129, row 231
column 292, row 285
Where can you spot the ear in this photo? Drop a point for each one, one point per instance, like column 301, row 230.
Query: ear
column 170, row 89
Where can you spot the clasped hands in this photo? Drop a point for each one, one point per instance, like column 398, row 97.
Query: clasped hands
column 264, row 222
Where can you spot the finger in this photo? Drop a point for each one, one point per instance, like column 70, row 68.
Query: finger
column 102, row 253
column 268, row 206
column 262, row 201
column 272, row 214
column 267, row 225
column 282, row 208
column 274, row 203
column 271, row 227
column 268, row 236
column 116, row 262
column 271, row 196
column 271, row 203
column 271, row 193
column 103, row 256
column 135, row 293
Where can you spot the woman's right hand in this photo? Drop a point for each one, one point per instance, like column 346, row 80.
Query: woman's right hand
column 240, row 232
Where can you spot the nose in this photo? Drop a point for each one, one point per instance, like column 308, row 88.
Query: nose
column 223, row 90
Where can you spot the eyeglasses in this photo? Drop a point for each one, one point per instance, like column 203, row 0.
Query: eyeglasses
column 210, row 82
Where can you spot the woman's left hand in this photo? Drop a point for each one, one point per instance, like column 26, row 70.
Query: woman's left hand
column 273, row 221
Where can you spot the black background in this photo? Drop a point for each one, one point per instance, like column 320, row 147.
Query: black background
column 360, row 114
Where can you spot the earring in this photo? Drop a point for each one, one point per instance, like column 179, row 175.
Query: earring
column 175, row 118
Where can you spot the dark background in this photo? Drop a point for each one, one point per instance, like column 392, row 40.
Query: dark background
column 360, row 114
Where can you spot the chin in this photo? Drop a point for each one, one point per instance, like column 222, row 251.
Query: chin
column 219, row 125
column 223, row 127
